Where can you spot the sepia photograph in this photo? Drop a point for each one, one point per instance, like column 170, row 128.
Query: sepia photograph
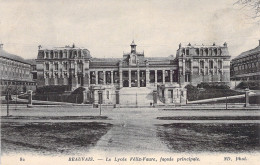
column 93, row 82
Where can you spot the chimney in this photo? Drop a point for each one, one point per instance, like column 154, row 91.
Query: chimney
column 1, row 46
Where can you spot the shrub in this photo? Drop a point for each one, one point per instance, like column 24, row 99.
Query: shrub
column 52, row 89
column 210, row 91
column 253, row 85
column 192, row 92
column 206, row 85
column 59, row 94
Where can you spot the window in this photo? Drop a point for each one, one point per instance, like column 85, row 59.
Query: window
column 187, row 52
column 162, row 93
column 47, row 55
column 92, row 77
column 215, row 52
column 201, row 52
column 133, row 59
column 152, row 76
column 211, row 64
column 47, row 67
column 61, row 54
column 56, row 66
column 219, row 64
column 197, row 52
column 170, row 94
column 187, row 78
column 167, row 76
column 107, row 94
column 66, row 66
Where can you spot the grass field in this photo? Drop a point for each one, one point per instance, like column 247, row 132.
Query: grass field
column 48, row 138
column 213, row 137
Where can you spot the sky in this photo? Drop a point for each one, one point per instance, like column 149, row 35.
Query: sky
column 107, row 27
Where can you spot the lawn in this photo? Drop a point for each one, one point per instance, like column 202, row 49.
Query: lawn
column 204, row 137
column 51, row 138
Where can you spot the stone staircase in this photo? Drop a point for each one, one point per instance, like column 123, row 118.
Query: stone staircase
column 136, row 96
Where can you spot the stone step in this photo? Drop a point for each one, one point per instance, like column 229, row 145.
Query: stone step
column 136, row 96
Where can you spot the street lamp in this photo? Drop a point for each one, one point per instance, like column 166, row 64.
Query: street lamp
column 8, row 90
column 100, row 101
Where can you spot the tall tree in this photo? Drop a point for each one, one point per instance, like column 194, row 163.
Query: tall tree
column 252, row 7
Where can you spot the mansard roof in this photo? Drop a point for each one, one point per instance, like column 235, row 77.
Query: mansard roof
column 85, row 51
column 104, row 61
column 31, row 61
column 248, row 53
column 66, row 47
column 96, row 62
column 202, row 46
column 10, row 56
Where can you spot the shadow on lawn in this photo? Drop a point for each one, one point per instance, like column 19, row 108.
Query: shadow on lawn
column 51, row 138
column 204, row 137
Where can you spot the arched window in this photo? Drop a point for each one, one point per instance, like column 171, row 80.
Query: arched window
column 133, row 59
column 201, row 52
column 187, row 52
column 61, row 54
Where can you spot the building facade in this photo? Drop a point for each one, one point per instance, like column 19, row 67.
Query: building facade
column 246, row 66
column 15, row 73
column 203, row 63
column 121, row 78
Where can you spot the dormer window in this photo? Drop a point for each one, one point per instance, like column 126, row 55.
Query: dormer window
column 133, row 59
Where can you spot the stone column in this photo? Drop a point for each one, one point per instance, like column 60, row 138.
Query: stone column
column 171, row 76
column 44, row 67
column 213, row 70
column 88, row 72
column 183, row 67
column 60, row 69
column 191, row 67
column 222, row 64
column 208, row 66
column 204, row 66
column 147, row 76
column 163, row 75
column 129, row 76
column 83, row 69
column 199, row 66
column 104, row 77
column 138, row 78
column 155, row 77
column 75, row 67
column 217, row 66
column 96, row 76
column 166, row 95
column 112, row 77
column 120, row 78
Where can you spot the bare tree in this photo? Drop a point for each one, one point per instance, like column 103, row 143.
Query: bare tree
column 253, row 7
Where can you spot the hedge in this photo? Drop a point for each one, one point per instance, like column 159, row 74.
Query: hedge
column 209, row 91
column 253, row 85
